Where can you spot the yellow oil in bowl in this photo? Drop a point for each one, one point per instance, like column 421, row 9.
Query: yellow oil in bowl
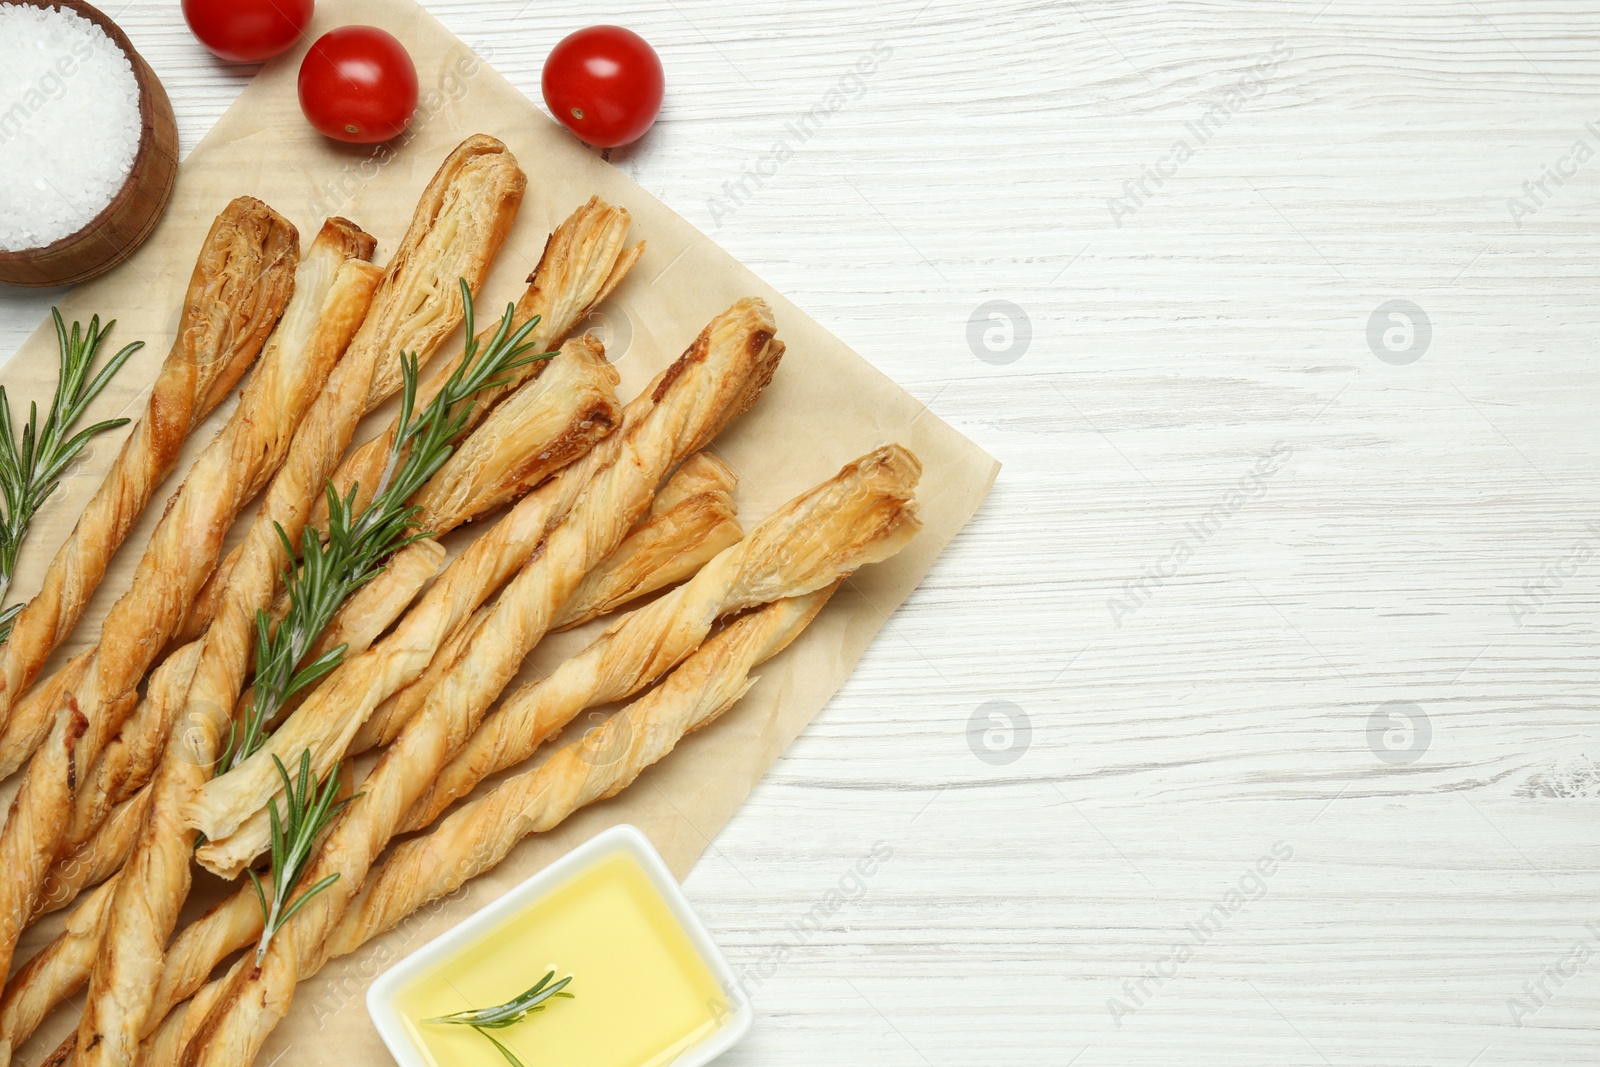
column 642, row 993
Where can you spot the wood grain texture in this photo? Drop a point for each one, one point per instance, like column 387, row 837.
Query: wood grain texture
column 1422, row 533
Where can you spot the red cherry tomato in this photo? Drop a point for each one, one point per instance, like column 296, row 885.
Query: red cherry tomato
column 358, row 84
column 247, row 31
column 604, row 84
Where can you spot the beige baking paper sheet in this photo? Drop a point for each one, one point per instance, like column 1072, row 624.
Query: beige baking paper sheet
column 826, row 406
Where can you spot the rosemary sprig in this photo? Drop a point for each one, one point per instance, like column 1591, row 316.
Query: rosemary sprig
column 512, row 1011
column 31, row 467
column 352, row 552
column 309, row 807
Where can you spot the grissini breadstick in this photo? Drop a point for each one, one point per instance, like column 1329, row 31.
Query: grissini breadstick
column 182, row 551
column 543, row 426
column 458, row 228
column 864, row 514
column 719, row 667
column 716, row 379
column 98, row 858
column 239, row 287
column 356, row 626
column 592, row 768
column 56, row 971
column 663, row 549
column 583, row 261
column 129, row 759
column 691, row 519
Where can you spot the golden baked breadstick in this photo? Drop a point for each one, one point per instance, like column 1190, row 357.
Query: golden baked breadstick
column 663, row 550
column 455, row 233
column 542, row 427
column 241, row 282
column 597, row 766
column 98, row 858
column 183, row 549
column 668, row 546
column 428, row 868
column 864, row 514
column 714, row 381
column 130, row 758
column 57, row 971
column 583, row 261
column 33, row 715
column 389, row 717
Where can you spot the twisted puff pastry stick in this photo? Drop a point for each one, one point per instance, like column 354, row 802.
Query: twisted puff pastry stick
column 426, row 869
column 692, row 519
column 542, row 427
column 731, row 361
column 583, row 261
column 201, row 945
column 720, row 375
column 595, row 767
column 182, row 551
column 862, row 515
column 240, row 285
column 455, row 233
column 57, row 971
column 357, row 625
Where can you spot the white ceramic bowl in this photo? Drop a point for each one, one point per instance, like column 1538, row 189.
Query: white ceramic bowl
column 382, row 995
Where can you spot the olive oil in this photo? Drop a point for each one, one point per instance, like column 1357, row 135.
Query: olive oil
column 642, row 993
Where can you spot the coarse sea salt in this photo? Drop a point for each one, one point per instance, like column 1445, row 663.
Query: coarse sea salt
column 69, row 123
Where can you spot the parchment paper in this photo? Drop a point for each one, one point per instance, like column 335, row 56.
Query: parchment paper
column 826, row 406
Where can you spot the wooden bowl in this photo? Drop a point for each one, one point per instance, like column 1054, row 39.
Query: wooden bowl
column 118, row 231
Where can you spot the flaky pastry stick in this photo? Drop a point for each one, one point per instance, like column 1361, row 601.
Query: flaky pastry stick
column 594, row 767
column 367, row 333
column 357, row 625
column 241, row 282
column 864, row 514
column 455, row 233
column 98, row 858
column 542, row 427
column 716, row 379
column 226, row 927
column 583, row 261
column 56, row 971
column 668, row 546
column 130, row 758
column 182, row 551
column 692, row 519
column 604, row 761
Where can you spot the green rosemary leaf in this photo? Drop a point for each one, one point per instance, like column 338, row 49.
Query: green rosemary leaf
column 332, row 564
column 507, row 1053
column 309, row 806
column 31, row 463
column 512, row 1011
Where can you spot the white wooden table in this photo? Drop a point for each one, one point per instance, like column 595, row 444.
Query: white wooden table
column 1250, row 507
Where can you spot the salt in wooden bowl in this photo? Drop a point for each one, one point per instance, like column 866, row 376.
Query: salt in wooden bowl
column 123, row 225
